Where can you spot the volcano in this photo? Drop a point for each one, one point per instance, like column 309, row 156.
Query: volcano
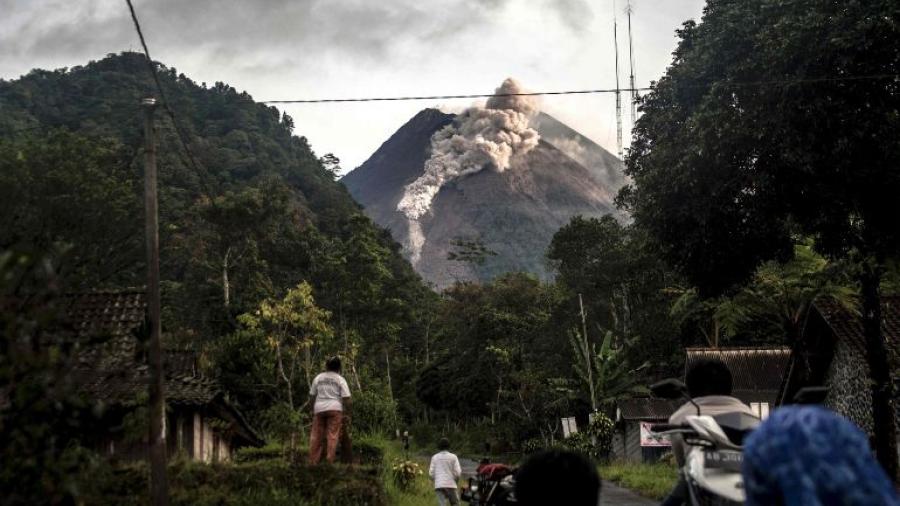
column 511, row 214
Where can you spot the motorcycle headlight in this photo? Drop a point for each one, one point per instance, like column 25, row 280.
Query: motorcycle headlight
column 474, row 488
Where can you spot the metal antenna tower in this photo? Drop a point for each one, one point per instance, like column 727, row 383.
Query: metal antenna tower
column 634, row 92
column 618, row 88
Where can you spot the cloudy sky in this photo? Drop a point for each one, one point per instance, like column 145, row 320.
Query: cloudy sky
column 300, row 49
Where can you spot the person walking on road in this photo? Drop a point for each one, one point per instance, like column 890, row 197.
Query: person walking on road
column 330, row 400
column 445, row 472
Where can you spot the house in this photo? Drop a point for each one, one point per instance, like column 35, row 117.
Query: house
column 201, row 422
column 758, row 375
column 632, row 441
column 832, row 353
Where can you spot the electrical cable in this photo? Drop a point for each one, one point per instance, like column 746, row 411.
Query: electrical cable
column 781, row 82
column 202, row 172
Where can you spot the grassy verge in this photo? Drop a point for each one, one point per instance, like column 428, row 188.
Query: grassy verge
column 649, row 480
column 255, row 477
column 420, row 494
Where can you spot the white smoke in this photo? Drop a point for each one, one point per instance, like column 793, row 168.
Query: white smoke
column 479, row 138
column 416, row 241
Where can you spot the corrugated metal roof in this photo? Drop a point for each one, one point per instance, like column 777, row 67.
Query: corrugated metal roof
column 752, row 369
column 645, row 408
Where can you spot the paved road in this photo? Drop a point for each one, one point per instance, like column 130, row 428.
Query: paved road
column 613, row 495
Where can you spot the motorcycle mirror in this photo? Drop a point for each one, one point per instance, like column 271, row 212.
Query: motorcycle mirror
column 811, row 395
column 669, row 389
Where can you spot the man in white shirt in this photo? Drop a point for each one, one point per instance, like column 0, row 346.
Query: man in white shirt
column 445, row 472
column 709, row 383
column 329, row 396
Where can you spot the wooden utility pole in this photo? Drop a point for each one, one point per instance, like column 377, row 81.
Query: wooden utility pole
column 159, row 483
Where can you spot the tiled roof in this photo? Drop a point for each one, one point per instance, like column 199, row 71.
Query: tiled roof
column 847, row 326
column 111, row 367
column 645, row 408
column 752, row 369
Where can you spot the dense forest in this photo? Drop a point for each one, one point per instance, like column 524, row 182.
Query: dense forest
column 268, row 266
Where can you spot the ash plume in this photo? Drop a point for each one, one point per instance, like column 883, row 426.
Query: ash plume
column 479, row 138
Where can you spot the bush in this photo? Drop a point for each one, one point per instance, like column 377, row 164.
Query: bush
column 532, row 445
column 405, row 473
column 601, row 431
column 272, row 481
column 373, row 412
column 268, row 452
column 369, row 454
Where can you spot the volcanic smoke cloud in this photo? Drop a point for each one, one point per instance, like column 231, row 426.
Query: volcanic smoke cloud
column 479, row 138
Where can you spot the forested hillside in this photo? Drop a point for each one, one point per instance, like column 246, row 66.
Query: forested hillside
column 257, row 214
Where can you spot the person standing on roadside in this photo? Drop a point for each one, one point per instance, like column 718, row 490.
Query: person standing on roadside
column 445, row 472
column 329, row 396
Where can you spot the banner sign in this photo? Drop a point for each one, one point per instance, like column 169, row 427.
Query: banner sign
column 652, row 439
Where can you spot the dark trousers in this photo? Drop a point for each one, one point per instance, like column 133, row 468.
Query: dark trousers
column 678, row 495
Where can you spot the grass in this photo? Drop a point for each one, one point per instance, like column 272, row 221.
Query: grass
column 654, row 481
column 422, row 491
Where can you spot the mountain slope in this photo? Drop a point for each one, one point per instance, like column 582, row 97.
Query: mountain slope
column 260, row 215
column 513, row 213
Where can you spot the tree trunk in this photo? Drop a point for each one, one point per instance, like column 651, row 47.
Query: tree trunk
column 226, row 287
column 287, row 382
column 885, row 425
column 387, row 361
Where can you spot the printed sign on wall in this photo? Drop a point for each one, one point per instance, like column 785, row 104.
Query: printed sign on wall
column 652, row 439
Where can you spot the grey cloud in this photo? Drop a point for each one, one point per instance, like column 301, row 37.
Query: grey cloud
column 239, row 31
column 576, row 14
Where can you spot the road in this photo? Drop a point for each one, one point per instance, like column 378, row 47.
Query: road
column 613, row 495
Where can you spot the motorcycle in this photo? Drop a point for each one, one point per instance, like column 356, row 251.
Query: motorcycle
column 714, row 450
column 492, row 485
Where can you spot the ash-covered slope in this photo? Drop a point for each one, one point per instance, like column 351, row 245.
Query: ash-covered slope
column 514, row 213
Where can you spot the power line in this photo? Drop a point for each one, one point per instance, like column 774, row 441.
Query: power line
column 204, row 175
column 443, row 97
column 736, row 84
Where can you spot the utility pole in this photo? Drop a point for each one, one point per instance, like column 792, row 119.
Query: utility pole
column 159, row 485
column 634, row 94
column 618, row 88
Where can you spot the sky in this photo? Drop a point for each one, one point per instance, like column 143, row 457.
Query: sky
column 308, row 49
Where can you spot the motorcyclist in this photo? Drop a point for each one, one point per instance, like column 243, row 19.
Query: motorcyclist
column 709, row 384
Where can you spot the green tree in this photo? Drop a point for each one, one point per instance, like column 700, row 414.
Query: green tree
column 62, row 187
column 605, row 372
column 42, row 417
column 622, row 281
column 773, row 117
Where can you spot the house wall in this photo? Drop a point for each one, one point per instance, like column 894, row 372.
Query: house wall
column 849, row 393
column 627, row 445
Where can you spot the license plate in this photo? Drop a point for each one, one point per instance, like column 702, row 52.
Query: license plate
column 724, row 459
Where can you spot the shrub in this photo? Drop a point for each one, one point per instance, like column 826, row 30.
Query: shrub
column 268, row 452
column 405, row 473
column 596, row 440
column 373, row 412
column 601, row 430
column 532, row 445
column 271, row 482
